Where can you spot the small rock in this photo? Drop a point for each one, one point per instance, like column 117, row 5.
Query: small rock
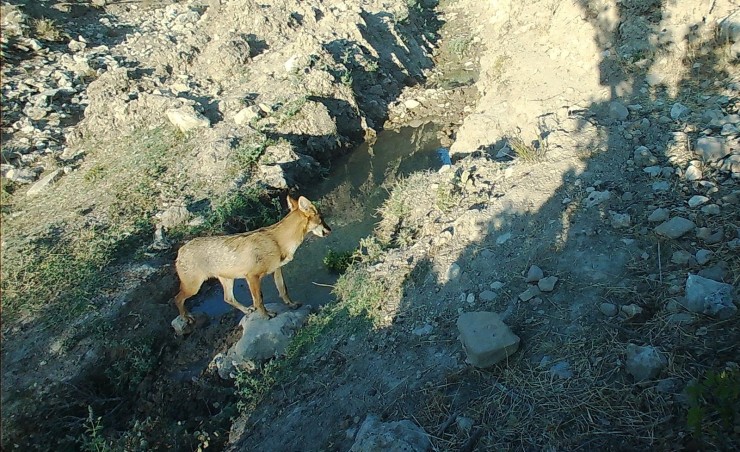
column 422, row 330
column 411, row 104
column 487, row 296
column 717, row 272
column 712, row 148
column 21, row 175
column 659, row 215
column 643, row 157
column 562, row 370
column 661, row 186
column 397, row 436
column 531, row 292
column 187, row 119
column 679, row 110
column 644, row 363
column 693, row 173
column 675, row 227
column 246, row 115
column 703, row 256
column 181, row 326
column 710, row 209
column 174, row 216
column 470, row 298
column 44, row 183
column 619, row 220
column 497, row 285
column 465, row 424
column 709, row 297
column 729, row 129
column 681, row 257
column 697, row 200
column 709, row 236
column 680, row 318
column 608, row 309
column 618, row 111
column 653, row 171
column 547, row 284
column 453, row 272
column 630, row 311
column 486, row 339
column 534, row 274
column 503, row 238
column 597, row 197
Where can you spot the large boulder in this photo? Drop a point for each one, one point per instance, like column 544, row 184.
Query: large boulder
column 398, row 436
column 262, row 338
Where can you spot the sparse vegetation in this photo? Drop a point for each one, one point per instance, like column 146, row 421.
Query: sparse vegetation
column 714, row 405
column 47, row 30
column 337, row 261
column 533, row 152
column 93, row 440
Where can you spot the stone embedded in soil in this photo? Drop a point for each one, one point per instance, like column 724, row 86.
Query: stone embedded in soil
column 186, row 118
column 534, row 274
column 712, row 148
column 608, row 309
column 597, row 197
column 709, row 297
column 679, row 110
column 262, row 338
column 643, row 157
column 710, row 209
column 703, row 256
column 619, row 220
column 630, row 311
column 644, row 363
column 547, row 284
column 562, row 370
column 693, row 173
column 659, row 215
column 246, row 115
column 618, row 111
column 21, row 175
column 485, row 338
column 531, row 292
column 681, row 257
column 710, row 236
column 487, row 295
column 661, row 185
column 675, row 227
column 697, row 200
column 44, row 183
column 174, row 216
column 453, row 272
column 396, row 436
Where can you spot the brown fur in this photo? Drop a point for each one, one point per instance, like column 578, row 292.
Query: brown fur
column 250, row 255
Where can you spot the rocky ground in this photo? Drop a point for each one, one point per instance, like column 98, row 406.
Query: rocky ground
column 592, row 204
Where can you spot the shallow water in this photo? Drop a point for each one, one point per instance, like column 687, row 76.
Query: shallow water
column 356, row 186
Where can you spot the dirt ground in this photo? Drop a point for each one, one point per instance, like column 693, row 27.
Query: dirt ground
column 545, row 106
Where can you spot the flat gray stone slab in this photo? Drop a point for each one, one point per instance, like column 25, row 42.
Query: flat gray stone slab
column 486, row 339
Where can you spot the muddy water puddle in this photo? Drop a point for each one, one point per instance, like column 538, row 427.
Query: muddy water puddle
column 349, row 197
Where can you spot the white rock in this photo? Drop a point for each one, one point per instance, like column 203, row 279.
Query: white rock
column 44, row 182
column 697, row 200
column 187, row 119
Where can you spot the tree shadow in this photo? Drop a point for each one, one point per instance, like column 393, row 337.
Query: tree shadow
column 529, row 402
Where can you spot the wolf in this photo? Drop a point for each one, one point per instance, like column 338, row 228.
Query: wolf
column 250, row 255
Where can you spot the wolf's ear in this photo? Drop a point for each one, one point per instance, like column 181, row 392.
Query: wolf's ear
column 305, row 205
column 292, row 203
